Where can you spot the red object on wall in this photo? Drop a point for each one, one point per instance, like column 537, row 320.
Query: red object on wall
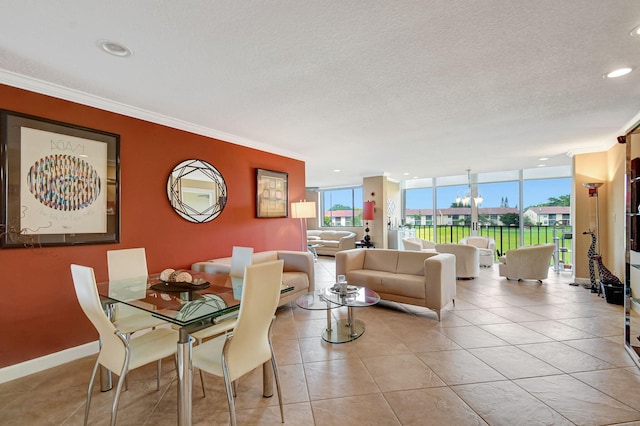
column 367, row 210
column 39, row 311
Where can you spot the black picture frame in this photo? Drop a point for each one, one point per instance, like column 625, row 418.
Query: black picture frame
column 60, row 183
column 272, row 194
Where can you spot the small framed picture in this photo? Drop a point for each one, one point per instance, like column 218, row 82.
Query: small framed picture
column 272, row 194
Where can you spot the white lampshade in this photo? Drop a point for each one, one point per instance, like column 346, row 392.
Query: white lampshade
column 303, row 210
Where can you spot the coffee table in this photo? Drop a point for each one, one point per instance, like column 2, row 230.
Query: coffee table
column 345, row 329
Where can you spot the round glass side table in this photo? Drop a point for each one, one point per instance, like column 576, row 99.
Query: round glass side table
column 345, row 329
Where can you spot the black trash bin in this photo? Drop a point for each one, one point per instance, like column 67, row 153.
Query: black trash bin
column 613, row 293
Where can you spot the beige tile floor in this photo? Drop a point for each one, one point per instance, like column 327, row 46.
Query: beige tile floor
column 508, row 353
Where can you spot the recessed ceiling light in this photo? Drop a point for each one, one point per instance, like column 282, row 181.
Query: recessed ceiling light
column 416, row 177
column 114, row 48
column 636, row 31
column 337, row 171
column 542, row 165
column 406, row 173
column 543, row 159
column 618, row 73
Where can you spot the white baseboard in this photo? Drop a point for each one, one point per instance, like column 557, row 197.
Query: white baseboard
column 16, row 371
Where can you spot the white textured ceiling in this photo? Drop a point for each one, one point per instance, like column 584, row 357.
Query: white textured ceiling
column 429, row 88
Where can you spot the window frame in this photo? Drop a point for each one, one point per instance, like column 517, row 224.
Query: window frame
column 356, row 200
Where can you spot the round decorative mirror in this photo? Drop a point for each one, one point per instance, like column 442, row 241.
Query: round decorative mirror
column 197, row 191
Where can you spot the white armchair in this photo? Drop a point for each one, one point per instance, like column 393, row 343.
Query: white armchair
column 467, row 259
column 531, row 262
column 418, row 244
column 486, row 246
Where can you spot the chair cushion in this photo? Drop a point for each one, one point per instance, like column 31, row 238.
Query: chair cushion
column 407, row 285
column 411, row 262
column 264, row 256
column 296, row 279
column 480, row 242
column 329, row 243
column 365, row 277
column 381, row 260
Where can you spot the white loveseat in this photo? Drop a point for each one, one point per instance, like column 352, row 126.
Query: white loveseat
column 331, row 241
column 298, row 270
column 413, row 277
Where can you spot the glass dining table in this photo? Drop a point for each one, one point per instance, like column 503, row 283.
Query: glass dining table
column 190, row 308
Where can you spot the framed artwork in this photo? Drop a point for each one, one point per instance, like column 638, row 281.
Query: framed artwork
column 60, row 183
column 272, row 198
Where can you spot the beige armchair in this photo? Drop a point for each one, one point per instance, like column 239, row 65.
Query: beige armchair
column 531, row 262
column 467, row 259
column 486, row 246
column 418, row 244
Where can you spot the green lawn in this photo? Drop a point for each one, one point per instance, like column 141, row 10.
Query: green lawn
column 506, row 237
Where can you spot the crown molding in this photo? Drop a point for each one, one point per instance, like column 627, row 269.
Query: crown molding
column 61, row 92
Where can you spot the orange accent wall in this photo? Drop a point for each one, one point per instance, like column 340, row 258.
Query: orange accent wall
column 39, row 313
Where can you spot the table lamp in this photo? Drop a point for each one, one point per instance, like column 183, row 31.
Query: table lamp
column 367, row 215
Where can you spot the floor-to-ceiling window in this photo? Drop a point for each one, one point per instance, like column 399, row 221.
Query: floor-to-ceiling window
column 453, row 214
column 547, row 214
column 499, row 213
column 419, row 213
column 517, row 207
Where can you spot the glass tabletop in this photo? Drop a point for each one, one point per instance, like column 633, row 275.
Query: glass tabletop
column 359, row 297
column 315, row 301
column 179, row 307
column 325, row 298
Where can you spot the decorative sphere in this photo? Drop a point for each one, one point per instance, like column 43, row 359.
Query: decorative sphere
column 166, row 274
column 183, row 277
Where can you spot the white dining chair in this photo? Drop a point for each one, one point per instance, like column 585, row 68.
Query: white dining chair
column 118, row 353
column 249, row 346
column 241, row 257
column 126, row 264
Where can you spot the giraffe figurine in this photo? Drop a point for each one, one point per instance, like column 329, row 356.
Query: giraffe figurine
column 606, row 276
column 591, row 253
column 608, row 280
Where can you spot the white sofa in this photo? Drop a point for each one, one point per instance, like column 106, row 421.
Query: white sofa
column 417, row 278
column 530, row 262
column 467, row 259
column 486, row 247
column 299, row 270
column 418, row 244
column 331, row 241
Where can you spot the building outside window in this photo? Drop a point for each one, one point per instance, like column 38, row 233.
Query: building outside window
column 511, row 216
column 341, row 207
